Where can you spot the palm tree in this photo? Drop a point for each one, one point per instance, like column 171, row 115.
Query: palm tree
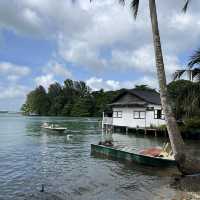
column 195, row 58
column 186, row 162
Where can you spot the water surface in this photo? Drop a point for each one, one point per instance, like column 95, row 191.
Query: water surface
column 31, row 157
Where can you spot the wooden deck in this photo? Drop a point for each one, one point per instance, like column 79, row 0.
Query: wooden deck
column 146, row 130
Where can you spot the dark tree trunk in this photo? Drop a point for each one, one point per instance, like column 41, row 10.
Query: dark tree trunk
column 186, row 162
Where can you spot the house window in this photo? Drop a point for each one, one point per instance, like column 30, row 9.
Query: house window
column 117, row 114
column 139, row 115
column 158, row 114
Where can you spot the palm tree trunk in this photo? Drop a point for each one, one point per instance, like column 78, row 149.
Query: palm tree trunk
column 176, row 140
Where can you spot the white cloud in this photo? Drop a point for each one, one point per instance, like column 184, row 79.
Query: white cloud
column 20, row 18
column 13, row 72
column 13, row 78
column 95, row 83
column 182, row 21
column 13, row 91
column 103, row 35
column 115, row 40
column 87, row 34
column 57, row 69
column 143, row 60
column 52, row 71
column 99, row 83
column 45, row 80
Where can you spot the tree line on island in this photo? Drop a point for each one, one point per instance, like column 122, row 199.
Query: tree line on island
column 76, row 99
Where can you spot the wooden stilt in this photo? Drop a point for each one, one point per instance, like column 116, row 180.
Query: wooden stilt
column 126, row 130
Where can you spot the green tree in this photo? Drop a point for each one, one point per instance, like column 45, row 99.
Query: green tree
column 54, row 90
column 185, row 98
column 56, row 99
column 102, row 99
column 26, row 110
column 143, row 87
column 66, row 111
column 81, row 89
column 69, row 92
column 37, row 101
column 83, row 107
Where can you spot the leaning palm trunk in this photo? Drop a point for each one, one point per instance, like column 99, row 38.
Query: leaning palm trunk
column 186, row 162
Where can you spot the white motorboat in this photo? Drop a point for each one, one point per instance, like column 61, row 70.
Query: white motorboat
column 53, row 127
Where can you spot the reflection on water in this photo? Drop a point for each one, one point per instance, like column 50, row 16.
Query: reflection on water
column 30, row 157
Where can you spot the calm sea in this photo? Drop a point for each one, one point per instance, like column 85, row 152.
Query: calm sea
column 31, row 157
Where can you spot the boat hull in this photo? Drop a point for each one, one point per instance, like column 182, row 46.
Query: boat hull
column 110, row 152
column 55, row 129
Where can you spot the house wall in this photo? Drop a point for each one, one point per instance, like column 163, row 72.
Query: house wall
column 129, row 121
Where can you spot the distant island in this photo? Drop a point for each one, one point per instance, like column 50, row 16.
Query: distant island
column 10, row 112
column 3, row 112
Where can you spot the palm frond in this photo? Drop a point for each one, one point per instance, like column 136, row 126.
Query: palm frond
column 122, row 2
column 186, row 5
column 194, row 59
column 135, row 7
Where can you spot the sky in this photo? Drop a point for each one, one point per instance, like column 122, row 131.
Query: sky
column 44, row 41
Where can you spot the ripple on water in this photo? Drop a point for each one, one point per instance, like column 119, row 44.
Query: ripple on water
column 31, row 157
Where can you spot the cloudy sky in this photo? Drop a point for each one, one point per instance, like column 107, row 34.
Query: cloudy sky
column 43, row 41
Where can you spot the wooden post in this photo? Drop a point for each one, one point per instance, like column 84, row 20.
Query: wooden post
column 126, row 130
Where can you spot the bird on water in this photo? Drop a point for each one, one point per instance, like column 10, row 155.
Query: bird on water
column 42, row 190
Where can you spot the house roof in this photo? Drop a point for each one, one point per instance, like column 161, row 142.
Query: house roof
column 145, row 96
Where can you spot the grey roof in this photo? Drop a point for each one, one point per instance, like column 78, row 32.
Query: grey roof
column 149, row 96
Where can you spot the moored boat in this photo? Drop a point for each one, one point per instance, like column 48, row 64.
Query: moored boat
column 151, row 160
column 53, row 127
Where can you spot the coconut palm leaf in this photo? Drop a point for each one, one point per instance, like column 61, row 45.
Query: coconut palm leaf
column 194, row 59
column 135, row 7
column 186, row 5
column 122, row 2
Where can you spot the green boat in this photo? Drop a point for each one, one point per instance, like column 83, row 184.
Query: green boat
column 111, row 152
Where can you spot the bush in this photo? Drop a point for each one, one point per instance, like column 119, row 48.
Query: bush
column 191, row 128
column 162, row 127
column 193, row 123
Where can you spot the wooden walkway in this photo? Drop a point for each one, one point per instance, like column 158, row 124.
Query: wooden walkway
column 147, row 130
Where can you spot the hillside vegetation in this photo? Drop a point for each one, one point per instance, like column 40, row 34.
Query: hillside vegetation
column 76, row 99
